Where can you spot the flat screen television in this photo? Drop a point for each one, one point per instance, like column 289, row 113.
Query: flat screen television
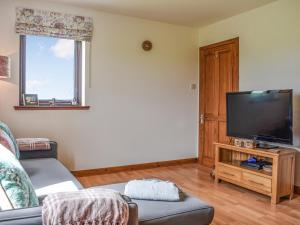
column 265, row 116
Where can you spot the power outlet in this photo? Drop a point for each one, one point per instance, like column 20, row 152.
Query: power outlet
column 193, row 86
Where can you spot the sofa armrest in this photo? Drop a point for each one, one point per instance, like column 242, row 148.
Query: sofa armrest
column 51, row 153
column 26, row 216
column 33, row 216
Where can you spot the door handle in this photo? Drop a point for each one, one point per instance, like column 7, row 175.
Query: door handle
column 201, row 119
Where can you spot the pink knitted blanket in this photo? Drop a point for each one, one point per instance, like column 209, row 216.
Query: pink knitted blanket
column 94, row 206
column 31, row 144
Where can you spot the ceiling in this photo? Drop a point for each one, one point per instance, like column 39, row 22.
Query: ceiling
column 194, row 13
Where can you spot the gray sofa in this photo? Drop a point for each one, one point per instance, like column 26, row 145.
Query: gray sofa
column 48, row 175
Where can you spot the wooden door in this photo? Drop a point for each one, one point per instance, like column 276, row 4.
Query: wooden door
column 218, row 75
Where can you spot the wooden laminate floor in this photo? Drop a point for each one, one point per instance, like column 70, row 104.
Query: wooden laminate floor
column 233, row 205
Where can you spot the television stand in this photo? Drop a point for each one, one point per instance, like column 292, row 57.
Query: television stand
column 264, row 145
column 277, row 183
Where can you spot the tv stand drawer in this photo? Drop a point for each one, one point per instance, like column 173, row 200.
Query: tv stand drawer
column 229, row 173
column 256, row 181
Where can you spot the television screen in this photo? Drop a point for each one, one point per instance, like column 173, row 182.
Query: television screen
column 261, row 115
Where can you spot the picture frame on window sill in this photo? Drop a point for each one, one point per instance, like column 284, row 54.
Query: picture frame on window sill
column 30, row 100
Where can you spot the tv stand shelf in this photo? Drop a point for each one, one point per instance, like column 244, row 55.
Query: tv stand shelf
column 276, row 184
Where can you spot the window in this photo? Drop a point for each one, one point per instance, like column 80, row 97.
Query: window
column 51, row 68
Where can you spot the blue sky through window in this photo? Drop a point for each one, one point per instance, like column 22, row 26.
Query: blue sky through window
column 50, row 67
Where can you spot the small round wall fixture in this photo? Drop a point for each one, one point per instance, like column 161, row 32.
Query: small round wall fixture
column 147, row 45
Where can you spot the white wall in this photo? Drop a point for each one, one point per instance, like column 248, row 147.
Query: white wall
column 142, row 107
column 269, row 50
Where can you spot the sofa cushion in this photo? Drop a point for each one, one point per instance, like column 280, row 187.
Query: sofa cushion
column 25, row 216
column 49, row 176
column 44, row 173
column 7, row 142
column 191, row 210
column 15, row 182
column 6, row 129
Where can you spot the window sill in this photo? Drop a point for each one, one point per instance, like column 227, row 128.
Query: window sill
column 52, row 107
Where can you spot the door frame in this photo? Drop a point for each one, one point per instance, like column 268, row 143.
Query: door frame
column 235, row 42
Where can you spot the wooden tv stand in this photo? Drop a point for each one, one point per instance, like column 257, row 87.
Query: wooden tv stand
column 276, row 184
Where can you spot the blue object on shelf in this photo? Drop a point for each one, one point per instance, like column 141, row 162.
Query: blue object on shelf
column 252, row 160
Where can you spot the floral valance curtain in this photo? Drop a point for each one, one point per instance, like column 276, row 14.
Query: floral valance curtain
column 54, row 24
